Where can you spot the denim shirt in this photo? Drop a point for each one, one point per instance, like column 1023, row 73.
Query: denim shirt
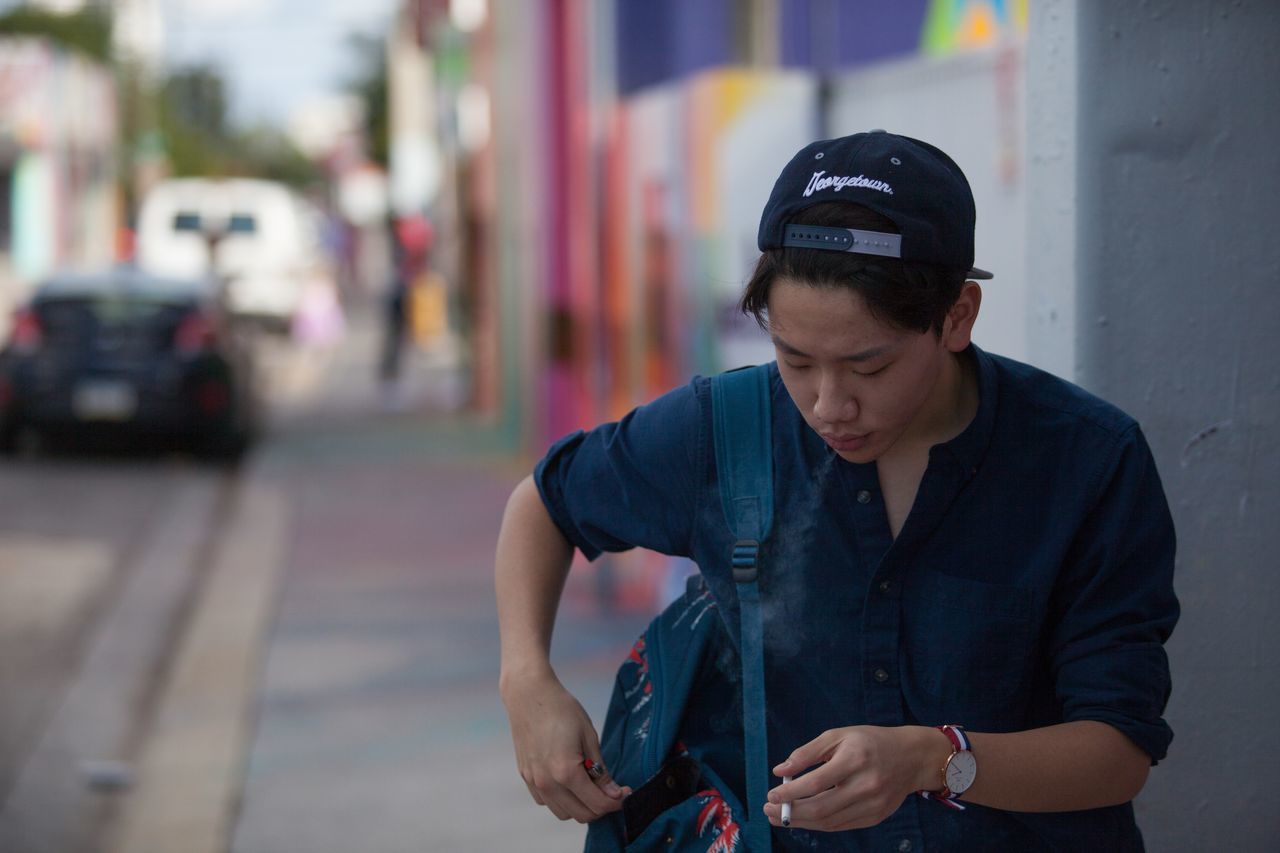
column 1031, row 584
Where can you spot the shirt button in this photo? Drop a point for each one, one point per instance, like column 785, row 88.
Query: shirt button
column 864, row 497
column 880, row 675
column 905, row 845
column 884, row 585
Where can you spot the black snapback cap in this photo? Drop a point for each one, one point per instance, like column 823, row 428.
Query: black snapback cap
column 914, row 184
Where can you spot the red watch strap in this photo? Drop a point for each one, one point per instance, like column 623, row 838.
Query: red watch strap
column 956, row 735
column 960, row 743
column 941, row 800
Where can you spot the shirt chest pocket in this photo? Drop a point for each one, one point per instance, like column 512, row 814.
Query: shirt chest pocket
column 966, row 644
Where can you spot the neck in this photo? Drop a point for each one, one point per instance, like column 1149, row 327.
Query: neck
column 951, row 407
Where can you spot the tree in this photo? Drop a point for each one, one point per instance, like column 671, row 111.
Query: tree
column 200, row 141
column 181, row 117
column 87, row 32
column 196, row 98
column 369, row 83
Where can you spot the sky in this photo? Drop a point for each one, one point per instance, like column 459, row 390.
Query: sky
column 274, row 54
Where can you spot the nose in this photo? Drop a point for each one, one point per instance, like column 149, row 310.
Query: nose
column 835, row 404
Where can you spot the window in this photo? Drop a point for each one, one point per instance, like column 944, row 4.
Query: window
column 187, row 221
column 242, row 223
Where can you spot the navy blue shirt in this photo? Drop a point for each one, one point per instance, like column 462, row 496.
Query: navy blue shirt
column 1031, row 584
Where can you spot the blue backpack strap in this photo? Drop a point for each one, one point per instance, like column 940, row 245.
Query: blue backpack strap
column 742, row 423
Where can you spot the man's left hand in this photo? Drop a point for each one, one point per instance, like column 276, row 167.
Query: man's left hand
column 860, row 776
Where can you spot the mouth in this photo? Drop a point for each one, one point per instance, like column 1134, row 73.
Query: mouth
column 845, row 443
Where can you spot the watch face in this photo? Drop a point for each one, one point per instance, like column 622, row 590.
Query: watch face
column 961, row 770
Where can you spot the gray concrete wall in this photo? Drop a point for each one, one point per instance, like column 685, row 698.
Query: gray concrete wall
column 1177, row 182
column 972, row 106
column 1050, row 253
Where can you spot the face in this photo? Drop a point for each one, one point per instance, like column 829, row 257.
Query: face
column 860, row 384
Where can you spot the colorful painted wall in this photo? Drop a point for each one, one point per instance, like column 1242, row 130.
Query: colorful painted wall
column 634, row 145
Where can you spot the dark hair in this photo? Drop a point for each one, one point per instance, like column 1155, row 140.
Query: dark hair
column 906, row 295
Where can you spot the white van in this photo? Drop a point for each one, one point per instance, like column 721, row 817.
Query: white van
column 265, row 240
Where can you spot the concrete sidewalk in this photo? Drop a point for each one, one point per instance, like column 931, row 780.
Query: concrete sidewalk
column 337, row 686
column 380, row 726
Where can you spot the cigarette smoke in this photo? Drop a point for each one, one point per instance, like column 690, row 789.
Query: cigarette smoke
column 791, row 550
column 785, row 587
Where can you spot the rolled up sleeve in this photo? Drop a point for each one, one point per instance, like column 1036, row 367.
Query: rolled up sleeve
column 631, row 483
column 1115, row 605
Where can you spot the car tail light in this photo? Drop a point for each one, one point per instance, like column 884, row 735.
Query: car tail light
column 27, row 332
column 213, row 397
column 195, row 334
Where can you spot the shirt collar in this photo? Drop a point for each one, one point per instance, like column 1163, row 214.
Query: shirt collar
column 969, row 447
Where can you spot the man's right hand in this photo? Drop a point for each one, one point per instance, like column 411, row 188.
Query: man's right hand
column 553, row 735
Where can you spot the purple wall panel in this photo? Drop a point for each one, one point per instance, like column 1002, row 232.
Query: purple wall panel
column 660, row 40
column 795, row 32
column 829, row 34
column 644, row 39
column 874, row 30
column 704, row 34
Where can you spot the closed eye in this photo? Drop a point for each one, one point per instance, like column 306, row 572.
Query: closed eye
column 873, row 372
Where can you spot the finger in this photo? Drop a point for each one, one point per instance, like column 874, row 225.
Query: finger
column 584, row 812
column 569, row 792
column 527, row 776
column 596, row 769
column 598, row 773
column 814, row 752
column 853, row 806
column 592, row 793
column 563, row 803
column 556, row 810
column 817, row 780
column 533, row 792
column 827, row 811
column 549, row 789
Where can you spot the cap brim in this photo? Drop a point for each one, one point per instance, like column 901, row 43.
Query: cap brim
column 977, row 273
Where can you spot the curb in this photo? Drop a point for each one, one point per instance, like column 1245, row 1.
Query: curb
column 190, row 770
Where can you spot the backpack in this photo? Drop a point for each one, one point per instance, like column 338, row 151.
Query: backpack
column 679, row 804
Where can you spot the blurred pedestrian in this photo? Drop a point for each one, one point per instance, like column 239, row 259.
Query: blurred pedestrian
column 411, row 240
column 966, row 590
column 319, row 323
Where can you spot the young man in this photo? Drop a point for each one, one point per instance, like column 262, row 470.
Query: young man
column 969, row 582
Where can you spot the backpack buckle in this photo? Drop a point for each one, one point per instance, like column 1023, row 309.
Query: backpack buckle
column 745, row 552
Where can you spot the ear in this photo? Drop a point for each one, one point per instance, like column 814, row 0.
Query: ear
column 957, row 331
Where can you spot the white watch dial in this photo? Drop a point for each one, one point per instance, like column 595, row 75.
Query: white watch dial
column 961, row 771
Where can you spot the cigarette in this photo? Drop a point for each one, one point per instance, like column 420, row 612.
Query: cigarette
column 786, row 806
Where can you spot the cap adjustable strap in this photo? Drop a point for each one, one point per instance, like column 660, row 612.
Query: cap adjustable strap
column 843, row 240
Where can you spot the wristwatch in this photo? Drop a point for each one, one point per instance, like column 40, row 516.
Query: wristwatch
column 961, row 768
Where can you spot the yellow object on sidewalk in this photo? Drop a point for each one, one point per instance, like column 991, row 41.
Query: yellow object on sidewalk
column 428, row 308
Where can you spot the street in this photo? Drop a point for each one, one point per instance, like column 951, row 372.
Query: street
column 296, row 655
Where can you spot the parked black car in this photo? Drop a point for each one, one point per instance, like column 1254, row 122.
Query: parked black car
column 125, row 352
